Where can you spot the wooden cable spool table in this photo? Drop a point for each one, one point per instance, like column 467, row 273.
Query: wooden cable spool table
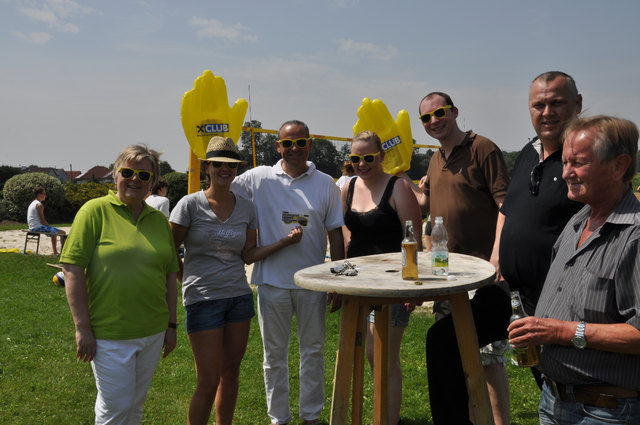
column 379, row 283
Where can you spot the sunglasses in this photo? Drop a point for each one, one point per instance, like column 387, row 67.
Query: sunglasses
column 438, row 113
column 288, row 143
column 218, row 164
column 368, row 158
column 534, row 179
column 128, row 173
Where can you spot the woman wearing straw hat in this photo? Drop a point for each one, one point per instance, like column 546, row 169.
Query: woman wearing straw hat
column 219, row 230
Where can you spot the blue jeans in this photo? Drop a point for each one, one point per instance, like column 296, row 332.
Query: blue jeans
column 554, row 411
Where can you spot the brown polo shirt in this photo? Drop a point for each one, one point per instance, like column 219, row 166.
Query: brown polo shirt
column 463, row 190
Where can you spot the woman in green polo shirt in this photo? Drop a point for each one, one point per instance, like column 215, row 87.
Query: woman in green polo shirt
column 120, row 272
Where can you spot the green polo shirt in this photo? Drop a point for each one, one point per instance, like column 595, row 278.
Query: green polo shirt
column 126, row 264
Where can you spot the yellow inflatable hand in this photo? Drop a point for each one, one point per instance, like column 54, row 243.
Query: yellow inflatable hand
column 395, row 135
column 205, row 113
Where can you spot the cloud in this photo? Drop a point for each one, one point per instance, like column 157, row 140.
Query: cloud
column 383, row 53
column 212, row 28
column 55, row 13
column 34, row 37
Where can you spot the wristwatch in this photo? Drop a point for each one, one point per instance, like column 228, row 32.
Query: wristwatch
column 579, row 340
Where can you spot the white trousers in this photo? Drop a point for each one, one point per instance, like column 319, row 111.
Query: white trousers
column 123, row 370
column 276, row 308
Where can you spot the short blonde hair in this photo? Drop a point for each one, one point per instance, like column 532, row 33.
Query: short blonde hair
column 614, row 136
column 136, row 153
column 368, row 136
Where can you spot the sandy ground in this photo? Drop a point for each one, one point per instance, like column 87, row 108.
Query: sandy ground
column 14, row 240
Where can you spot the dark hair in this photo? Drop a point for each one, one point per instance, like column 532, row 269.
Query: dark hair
column 37, row 191
column 347, row 168
column 445, row 96
column 297, row 124
column 162, row 183
column 549, row 76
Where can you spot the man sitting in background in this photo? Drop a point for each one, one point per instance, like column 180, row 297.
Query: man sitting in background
column 36, row 220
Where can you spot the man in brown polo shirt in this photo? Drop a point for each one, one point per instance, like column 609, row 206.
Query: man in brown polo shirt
column 465, row 184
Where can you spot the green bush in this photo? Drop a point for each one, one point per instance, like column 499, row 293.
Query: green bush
column 177, row 187
column 78, row 194
column 635, row 182
column 18, row 194
column 6, row 172
column 3, row 209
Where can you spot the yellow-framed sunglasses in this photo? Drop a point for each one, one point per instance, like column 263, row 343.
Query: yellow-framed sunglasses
column 438, row 113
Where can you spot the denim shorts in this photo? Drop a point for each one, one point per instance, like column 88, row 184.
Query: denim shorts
column 399, row 316
column 213, row 314
column 48, row 229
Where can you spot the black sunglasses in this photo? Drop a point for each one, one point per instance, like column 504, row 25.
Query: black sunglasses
column 128, row 173
column 288, row 143
column 218, row 164
column 534, row 179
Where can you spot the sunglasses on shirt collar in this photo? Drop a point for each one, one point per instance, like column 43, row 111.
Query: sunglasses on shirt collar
column 534, row 179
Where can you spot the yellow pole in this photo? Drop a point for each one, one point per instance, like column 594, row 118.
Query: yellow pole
column 194, row 173
column 253, row 146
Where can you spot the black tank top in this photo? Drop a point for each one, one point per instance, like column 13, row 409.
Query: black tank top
column 376, row 231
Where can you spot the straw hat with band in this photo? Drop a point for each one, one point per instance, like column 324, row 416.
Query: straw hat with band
column 222, row 149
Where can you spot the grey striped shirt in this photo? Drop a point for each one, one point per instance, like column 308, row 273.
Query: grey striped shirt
column 598, row 283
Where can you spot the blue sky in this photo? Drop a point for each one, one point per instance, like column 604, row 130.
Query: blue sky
column 83, row 79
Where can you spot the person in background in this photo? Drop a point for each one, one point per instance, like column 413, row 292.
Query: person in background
column 587, row 319
column 120, row 270
column 293, row 192
column 36, row 220
column 376, row 206
column 219, row 232
column 158, row 197
column 347, row 174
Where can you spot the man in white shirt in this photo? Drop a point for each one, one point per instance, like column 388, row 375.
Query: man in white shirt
column 290, row 193
column 36, row 220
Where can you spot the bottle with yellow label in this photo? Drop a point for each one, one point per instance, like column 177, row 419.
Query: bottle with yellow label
column 439, row 249
column 409, row 253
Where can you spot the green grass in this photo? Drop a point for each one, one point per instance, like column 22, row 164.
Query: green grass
column 20, row 226
column 41, row 382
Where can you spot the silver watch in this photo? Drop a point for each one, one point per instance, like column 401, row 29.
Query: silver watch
column 579, row 340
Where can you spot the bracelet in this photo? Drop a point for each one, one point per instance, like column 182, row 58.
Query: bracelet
column 173, row 325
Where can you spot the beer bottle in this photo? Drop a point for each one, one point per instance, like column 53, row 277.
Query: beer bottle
column 409, row 253
column 526, row 356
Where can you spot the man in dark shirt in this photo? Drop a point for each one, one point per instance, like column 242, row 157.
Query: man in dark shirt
column 536, row 207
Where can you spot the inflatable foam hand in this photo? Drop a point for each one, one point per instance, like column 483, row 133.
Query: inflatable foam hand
column 395, row 135
column 205, row 113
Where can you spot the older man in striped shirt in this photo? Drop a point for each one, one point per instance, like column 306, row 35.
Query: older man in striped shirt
column 588, row 316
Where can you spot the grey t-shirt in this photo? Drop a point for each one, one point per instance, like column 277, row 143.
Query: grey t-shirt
column 213, row 266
